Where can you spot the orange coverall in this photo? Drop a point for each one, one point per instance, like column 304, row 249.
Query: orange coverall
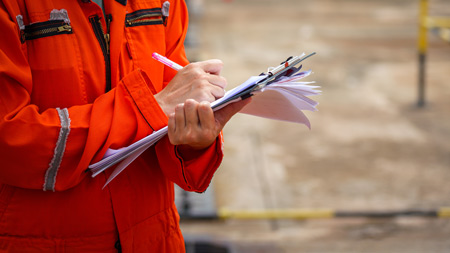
column 74, row 83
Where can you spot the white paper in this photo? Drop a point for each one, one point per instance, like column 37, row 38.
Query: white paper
column 115, row 156
column 281, row 103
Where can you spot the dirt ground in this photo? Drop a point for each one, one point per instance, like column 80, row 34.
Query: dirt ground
column 370, row 147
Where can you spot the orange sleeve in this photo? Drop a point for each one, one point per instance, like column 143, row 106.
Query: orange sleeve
column 194, row 174
column 51, row 150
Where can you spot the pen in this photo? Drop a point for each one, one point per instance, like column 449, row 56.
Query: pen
column 166, row 61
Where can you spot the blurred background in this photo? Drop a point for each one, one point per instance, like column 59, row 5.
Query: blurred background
column 371, row 150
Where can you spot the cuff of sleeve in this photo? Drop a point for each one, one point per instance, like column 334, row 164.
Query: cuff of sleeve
column 196, row 173
column 138, row 86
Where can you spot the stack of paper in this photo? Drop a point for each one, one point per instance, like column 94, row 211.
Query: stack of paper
column 284, row 100
column 279, row 94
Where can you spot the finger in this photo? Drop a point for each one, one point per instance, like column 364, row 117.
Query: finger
column 217, row 92
column 206, row 116
column 190, row 112
column 180, row 121
column 211, row 66
column 171, row 129
column 171, row 123
column 224, row 115
column 217, row 81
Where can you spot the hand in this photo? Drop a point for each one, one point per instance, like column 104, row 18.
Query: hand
column 194, row 125
column 199, row 81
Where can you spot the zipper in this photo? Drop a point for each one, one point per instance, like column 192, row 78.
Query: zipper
column 45, row 29
column 144, row 17
column 103, row 38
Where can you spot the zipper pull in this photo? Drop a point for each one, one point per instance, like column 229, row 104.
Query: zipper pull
column 64, row 28
column 106, row 36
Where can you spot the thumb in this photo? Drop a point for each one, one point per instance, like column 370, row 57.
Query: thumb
column 223, row 115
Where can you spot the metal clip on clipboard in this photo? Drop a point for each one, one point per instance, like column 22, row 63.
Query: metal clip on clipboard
column 274, row 73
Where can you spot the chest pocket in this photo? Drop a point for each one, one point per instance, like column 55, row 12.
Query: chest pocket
column 145, row 34
column 53, row 55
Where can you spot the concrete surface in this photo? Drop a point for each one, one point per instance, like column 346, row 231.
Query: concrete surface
column 370, row 147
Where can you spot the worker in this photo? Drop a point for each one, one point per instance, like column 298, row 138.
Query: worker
column 77, row 78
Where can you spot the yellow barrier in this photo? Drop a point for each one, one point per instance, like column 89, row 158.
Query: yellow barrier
column 428, row 22
column 437, row 22
column 320, row 213
column 276, row 214
column 423, row 28
column 444, row 212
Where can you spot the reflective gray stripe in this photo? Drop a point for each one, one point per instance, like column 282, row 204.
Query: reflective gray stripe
column 50, row 175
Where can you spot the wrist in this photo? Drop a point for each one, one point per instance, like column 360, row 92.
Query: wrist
column 164, row 107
